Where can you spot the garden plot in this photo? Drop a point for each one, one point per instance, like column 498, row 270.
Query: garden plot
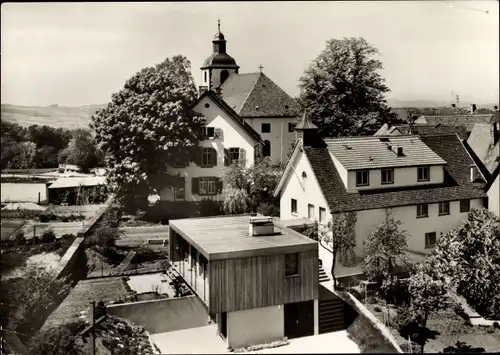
column 46, row 261
column 135, row 236
column 87, row 211
column 60, row 228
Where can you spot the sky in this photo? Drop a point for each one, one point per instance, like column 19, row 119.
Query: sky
column 75, row 54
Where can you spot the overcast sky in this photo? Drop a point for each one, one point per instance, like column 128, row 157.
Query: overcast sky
column 80, row 53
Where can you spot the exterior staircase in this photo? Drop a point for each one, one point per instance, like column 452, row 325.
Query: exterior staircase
column 323, row 277
column 331, row 315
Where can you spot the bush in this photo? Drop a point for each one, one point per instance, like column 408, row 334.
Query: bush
column 209, row 208
column 459, row 310
column 48, row 236
column 406, row 323
column 19, row 238
column 55, row 341
column 461, row 347
column 44, row 218
column 35, row 240
column 377, row 309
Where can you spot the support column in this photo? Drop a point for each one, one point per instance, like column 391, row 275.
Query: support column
column 316, row 316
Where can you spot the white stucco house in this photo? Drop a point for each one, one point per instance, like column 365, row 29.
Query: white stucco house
column 429, row 183
column 267, row 108
column 226, row 138
column 493, row 191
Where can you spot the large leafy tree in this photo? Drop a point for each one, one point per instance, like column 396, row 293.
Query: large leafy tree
column 469, row 258
column 247, row 189
column 82, row 150
column 343, row 90
column 148, row 124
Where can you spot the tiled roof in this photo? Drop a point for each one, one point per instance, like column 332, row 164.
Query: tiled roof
column 456, row 184
column 255, row 95
column 432, row 130
column 466, row 120
column 223, row 105
column 373, row 152
column 481, row 143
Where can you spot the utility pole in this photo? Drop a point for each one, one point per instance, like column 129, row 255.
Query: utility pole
column 92, row 331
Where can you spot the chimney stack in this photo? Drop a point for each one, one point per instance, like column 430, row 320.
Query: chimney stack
column 261, row 226
column 400, row 152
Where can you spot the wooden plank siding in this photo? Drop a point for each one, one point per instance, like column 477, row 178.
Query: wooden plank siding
column 254, row 282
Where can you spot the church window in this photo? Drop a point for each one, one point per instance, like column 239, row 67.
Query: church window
column 205, row 76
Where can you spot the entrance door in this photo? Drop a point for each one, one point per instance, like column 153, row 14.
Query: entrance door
column 299, row 319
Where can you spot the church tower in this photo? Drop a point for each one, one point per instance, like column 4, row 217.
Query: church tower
column 218, row 66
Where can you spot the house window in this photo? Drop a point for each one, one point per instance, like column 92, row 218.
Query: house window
column 464, row 206
column 422, row 211
column 291, row 126
column 387, row 176
column 362, row 178
column 208, row 132
column 423, row 173
column 294, row 206
column 208, row 158
column 444, row 208
column 207, row 186
column 234, row 155
column 266, row 151
column 179, row 193
column 322, row 215
column 430, row 239
column 310, row 211
column 266, row 128
column 291, row 264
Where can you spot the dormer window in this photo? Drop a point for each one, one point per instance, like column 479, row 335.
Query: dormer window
column 423, row 173
column 362, row 178
column 387, row 176
column 208, row 132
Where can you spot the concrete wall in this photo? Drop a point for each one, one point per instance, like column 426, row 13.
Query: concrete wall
column 23, row 192
column 369, row 220
column 281, row 140
column 402, row 177
column 305, row 191
column 255, row 326
column 233, row 137
column 164, row 315
column 494, row 197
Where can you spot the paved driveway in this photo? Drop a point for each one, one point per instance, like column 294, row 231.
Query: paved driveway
column 200, row 340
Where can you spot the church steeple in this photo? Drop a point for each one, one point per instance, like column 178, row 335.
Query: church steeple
column 306, row 130
column 219, row 65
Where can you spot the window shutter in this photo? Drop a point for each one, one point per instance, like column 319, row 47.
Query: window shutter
column 243, row 154
column 194, row 186
column 227, row 161
column 218, row 133
column 218, row 185
column 214, row 157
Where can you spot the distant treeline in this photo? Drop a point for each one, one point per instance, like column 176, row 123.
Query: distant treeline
column 38, row 147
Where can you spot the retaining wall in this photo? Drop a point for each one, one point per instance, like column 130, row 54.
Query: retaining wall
column 164, row 315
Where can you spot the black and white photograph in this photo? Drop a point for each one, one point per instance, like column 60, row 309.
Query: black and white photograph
column 256, row 177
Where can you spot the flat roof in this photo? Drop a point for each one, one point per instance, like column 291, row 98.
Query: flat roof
column 228, row 237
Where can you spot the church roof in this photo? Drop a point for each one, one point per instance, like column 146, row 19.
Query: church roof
column 220, row 60
column 255, row 95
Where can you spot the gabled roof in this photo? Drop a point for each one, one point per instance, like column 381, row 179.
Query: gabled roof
column 373, row 152
column 224, row 106
column 481, row 143
column 453, row 120
column 456, row 183
column 255, row 95
column 493, row 177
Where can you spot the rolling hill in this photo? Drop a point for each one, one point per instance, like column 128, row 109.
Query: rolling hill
column 54, row 116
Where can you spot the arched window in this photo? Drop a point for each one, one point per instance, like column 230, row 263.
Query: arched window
column 223, row 76
column 266, row 151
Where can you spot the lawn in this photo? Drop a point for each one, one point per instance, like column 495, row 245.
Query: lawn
column 449, row 328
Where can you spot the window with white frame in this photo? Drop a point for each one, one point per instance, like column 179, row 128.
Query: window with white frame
column 387, row 176
column 208, row 158
column 310, row 211
column 322, row 215
column 207, row 186
column 422, row 210
column 362, row 178
column 423, row 173
column 234, row 155
column 444, row 208
column 208, row 132
column 430, row 239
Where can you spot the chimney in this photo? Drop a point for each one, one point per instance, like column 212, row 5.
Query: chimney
column 453, row 105
column 473, row 173
column 400, row 152
column 473, row 108
column 261, row 226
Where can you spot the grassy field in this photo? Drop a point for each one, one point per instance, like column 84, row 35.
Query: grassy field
column 64, row 117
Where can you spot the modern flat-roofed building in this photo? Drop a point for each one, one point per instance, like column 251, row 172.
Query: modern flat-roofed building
column 258, row 279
